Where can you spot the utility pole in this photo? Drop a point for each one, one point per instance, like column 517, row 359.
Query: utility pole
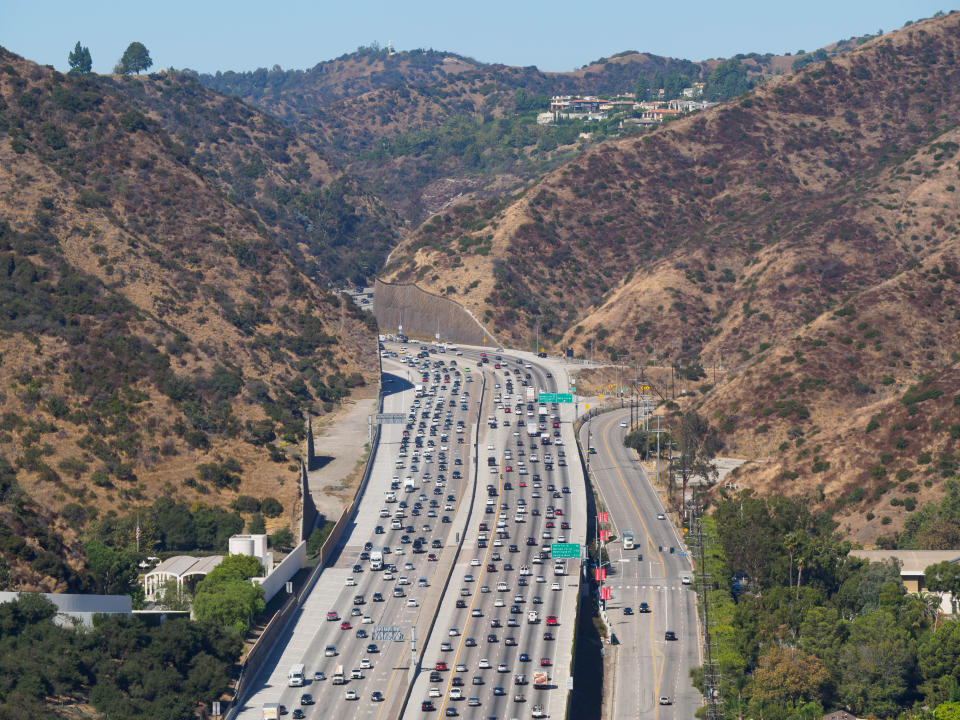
column 711, row 674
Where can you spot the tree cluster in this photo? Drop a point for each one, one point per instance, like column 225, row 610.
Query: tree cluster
column 802, row 628
column 121, row 667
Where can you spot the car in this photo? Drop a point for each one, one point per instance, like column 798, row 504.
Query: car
column 355, row 612
column 450, row 712
column 545, row 662
column 470, row 642
column 318, row 675
column 484, row 664
column 476, row 612
column 361, row 633
column 306, row 699
column 330, row 651
column 477, row 680
column 332, row 615
column 468, row 577
column 461, row 603
column 510, row 641
column 432, row 557
column 435, row 676
column 427, row 706
column 411, row 602
column 453, row 632
column 298, row 714
column 441, row 666
column 378, row 597
column 456, row 694
column 499, row 691
column 685, row 579
column 519, row 697
column 669, row 635
column 664, row 700
column 376, row 696
column 350, row 581
column 473, row 702
column 524, row 657
column 548, row 636
column 661, row 516
column 372, row 648
column 458, row 681
column 461, row 667
column 555, row 586
column 434, row 692
column 644, row 608
column 475, row 562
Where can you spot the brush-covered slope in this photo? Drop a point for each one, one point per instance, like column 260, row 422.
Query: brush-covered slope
column 156, row 337
column 745, row 230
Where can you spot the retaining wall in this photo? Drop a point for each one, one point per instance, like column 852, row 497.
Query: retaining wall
column 423, row 314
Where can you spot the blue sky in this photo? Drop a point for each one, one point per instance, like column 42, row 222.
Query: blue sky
column 210, row 35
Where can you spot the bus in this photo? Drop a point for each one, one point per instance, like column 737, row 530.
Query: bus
column 628, row 539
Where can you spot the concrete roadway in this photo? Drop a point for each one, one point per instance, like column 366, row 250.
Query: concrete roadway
column 481, row 608
column 647, row 667
column 310, row 633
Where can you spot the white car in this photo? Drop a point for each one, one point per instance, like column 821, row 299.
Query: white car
column 434, row 692
column 366, row 664
column 475, row 562
column 456, row 694
column 623, row 423
column 453, row 632
column 411, row 602
column 502, row 667
column 351, row 582
column 367, row 620
column 555, row 586
column 498, row 602
column 403, row 580
column 351, row 695
column 540, row 579
column 484, row 664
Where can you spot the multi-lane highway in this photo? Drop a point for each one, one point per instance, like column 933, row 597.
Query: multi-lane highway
column 651, row 678
column 427, row 507
column 510, row 607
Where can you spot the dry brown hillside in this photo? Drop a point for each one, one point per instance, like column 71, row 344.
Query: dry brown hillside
column 823, row 202
column 156, row 340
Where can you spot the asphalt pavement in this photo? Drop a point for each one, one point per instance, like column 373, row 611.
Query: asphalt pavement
column 651, row 677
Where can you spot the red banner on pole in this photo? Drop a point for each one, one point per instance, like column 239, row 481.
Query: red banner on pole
column 602, row 517
column 606, row 593
column 604, row 536
column 600, row 574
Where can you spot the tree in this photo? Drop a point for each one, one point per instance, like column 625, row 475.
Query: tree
column 114, row 572
column 235, row 603
column 642, row 90
column 789, row 676
column 699, row 443
column 876, row 665
column 80, row 61
column 135, row 59
column 727, row 80
column 943, row 577
column 257, row 525
column 282, row 539
column 938, row 659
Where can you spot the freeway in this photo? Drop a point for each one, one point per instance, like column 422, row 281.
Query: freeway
column 323, row 643
column 509, row 610
column 650, row 669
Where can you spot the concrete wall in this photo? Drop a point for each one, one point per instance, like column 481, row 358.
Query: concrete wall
column 80, row 606
column 422, row 311
column 274, row 582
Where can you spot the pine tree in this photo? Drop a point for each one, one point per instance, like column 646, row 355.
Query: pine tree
column 80, row 60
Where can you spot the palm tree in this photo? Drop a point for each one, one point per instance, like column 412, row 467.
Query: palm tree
column 930, row 606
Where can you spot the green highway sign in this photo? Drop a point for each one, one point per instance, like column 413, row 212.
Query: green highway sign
column 565, row 550
column 555, row 397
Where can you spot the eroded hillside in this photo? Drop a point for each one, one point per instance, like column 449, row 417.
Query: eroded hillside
column 822, row 202
column 156, row 338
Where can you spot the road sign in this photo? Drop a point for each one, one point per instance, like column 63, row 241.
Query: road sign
column 570, row 682
column 565, row 550
column 555, row 397
column 388, row 633
column 388, row 418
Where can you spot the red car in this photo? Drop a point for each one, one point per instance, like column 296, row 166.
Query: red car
column 491, row 567
column 509, row 468
column 558, row 511
column 523, row 483
column 332, row 615
column 550, row 524
column 345, row 625
column 564, row 525
column 545, row 662
column 552, row 620
column 441, row 665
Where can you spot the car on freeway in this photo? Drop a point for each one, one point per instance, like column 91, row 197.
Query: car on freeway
column 372, row 648
column 644, row 608
column 548, row 636
column 376, row 696
column 498, row 690
column 628, row 610
column 661, row 516
column 669, row 635
column 330, row 651
column 298, row 714
column 332, row 615
column 545, row 662
column 664, row 700
column 361, row 633
column 306, row 699
column 470, row 642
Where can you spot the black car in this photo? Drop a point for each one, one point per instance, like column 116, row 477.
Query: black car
column 298, row 714
column 427, row 705
column 377, row 597
column 644, row 608
column 435, row 676
column 499, row 691
column 628, row 611
column 669, row 635
column 357, row 568
column 457, row 681
column 372, row 648
column 306, row 699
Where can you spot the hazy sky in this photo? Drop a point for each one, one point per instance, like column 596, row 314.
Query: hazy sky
column 210, row 35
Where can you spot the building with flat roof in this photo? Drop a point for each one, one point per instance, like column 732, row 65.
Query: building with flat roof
column 75, row 606
column 913, row 565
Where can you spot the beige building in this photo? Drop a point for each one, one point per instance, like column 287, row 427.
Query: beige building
column 913, row 563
